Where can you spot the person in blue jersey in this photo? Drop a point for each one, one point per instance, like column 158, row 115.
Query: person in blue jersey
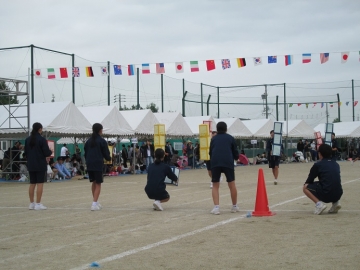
column 223, row 153
column 155, row 187
column 96, row 150
column 328, row 189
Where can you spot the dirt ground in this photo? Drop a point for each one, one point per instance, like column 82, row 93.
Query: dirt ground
column 128, row 234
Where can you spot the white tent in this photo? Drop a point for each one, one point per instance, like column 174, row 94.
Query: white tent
column 342, row 129
column 259, row 128
column 112, row 120
column 235, row 127
column 61, row 119
column 297, row 129
column 141, row 121
column 194, row 121
column 175, row 125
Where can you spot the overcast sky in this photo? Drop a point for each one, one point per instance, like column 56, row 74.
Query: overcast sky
column 136, row 32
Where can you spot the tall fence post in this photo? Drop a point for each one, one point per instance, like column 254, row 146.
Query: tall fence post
column 338, row 98
column 277, row 108
column 207, row 105
column 353, row 100
column 201, row 90
column 138, row 89
column 285, row 102
column 218, row 101
column 72, row 77
column 183, row 101
column 32, row 72
column 162, row 92
column 108, row 81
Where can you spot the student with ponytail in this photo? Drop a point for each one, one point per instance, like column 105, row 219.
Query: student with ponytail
column 155, row 187
column 96, row 150
column 36, row 151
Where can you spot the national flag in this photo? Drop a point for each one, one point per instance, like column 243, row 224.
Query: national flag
column 288, row 60
column 104, row 71
column 145, row 68
column 117, row 70
column 306, row 58
column 347, row 103
column 331, row 105
column 89, row 72
column 314, row 104
column 272, row 59
column 179, row 67
column 210, row 65
column 37, row 73
column 63, row 73
column 339, row 103
column 344, row 57
column 51, row 73
column 290, row 105
column 160, row 68
column 307, row 105
column 322, row 104
column 194, row 66
column 324, row 57
column 131, row 70
column 75, row 72
column 241, row 62
column 225, row 63
column 257, row 61
column 299, row 104
column 355, row 103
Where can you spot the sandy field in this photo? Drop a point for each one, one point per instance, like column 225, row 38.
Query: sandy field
column 128, row 234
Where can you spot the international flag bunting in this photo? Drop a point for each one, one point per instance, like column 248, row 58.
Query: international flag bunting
column 104, row 71
column 89, row 72
column 160, row 68
column 210, row 65
column 37, row 73
column 324, row 57
column 145, row 68
column 75, row 72
column 299, row 104
column 257, row 61
column 117, row 70
column 179, row 67
column 290, row 105
column 314, row 104
column 331, row 105
column 131, row 70
column 63, row 73
column 225, row 63
column 51, row 73
column 288, row 60
column 344, row 57
column 194, row 66
column 322, row 104
column 306, row 58
column 307, row 105
column 347, row 103
column 339, row 103
column 355, row 103
column 241, row 62
column 272, row 59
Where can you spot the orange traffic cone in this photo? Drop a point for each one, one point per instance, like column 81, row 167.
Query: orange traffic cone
column 261, row 204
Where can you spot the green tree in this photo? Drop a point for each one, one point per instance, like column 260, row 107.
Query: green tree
column 336, row 120
column 4, row 98
column 152, row 106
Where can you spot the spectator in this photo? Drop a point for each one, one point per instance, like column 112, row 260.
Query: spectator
column 190, row 154
column 169, row 151
column 64, row 151
column 62, row 171
column 124, row 155
column 334, row 145
column 149, row 153
column 313, row 151
column 307, row 148
column 15, row 156
column 174, row 159
column 300, row 146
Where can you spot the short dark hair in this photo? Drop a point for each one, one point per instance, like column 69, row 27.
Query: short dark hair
column 159, row 154
column 59, row 158
column 271, row 131
column 325, row 150
column 221, row 127
column 333, row 133
column 214, row 132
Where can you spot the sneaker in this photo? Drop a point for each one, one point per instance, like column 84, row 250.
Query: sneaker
column 40, row 206
column 95, row 208
column 100, row 206
column 275, row 182
column 235, row 209
column 32, row 206
column 335, row 208
column 215, row 211
column 211, row 184
column 157, row 206
column 319, row 208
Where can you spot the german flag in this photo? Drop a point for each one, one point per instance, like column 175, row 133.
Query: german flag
column 241, row 62
column 89, row 72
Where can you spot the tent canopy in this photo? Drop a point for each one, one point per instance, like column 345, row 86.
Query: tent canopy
column 112, row 120
column 297, row 129
column 259, row 128
column 141, row 121
column 342, row 129
column 194, row 121
column 236, row 127
column 175, row 125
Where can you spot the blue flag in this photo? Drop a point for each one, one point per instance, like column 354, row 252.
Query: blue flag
column 272, row 59
column 117, row 70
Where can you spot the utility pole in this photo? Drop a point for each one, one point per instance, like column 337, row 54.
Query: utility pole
column 119, row 100
column 327, row 113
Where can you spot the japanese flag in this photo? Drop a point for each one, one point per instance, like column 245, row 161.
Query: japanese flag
column 344, row 57
column 37, row 73
column 179, row 67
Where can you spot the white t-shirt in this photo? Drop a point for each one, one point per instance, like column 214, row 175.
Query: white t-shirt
column 63, row 151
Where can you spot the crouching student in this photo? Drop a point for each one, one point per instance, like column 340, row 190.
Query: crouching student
column 155, row 187
column 328, row 188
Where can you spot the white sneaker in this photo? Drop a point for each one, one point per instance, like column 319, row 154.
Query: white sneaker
column 211, row 184
column 235, row 209
column 95, row 207
column 319, row 208
column 335, row 208
column 40, row 206
column 157, row 206
column 100, row 206
column 32, row 206
column 215, row 211
column 275, row 182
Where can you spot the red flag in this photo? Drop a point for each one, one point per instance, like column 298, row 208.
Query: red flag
column 299, row 104
column 314, row 104
column 63, row 73
column 210, row 65
column 355, row 103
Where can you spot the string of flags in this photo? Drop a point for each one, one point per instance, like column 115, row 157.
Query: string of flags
column 179, row 66
column 322, row 104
